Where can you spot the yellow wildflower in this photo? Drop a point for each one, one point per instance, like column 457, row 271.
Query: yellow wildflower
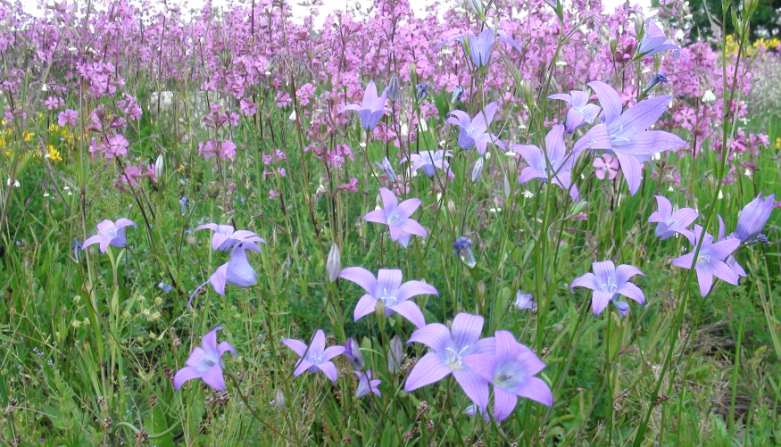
column 28, row 136
column 53, row 154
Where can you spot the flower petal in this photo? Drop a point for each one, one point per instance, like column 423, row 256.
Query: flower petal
column 415, row 288
column 434, row 335
column 466, row 329
column 410, row 311
column 365, row 306
column 504, row 404
column 183, row 375
column 474, row 386
column 213, row 377
column 537, row 390
column 428, row 370
column 360, row 276
column 298, row 346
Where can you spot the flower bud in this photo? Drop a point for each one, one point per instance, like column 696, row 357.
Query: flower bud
column 333, row 265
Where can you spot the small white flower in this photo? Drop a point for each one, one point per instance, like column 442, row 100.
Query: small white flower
column 16, row 183
column 292, row 116
column 708, row 96
column 721, row 194
column 528, row 194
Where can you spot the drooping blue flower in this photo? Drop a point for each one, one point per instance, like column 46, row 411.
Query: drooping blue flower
column 753, row 217
column 654, row 40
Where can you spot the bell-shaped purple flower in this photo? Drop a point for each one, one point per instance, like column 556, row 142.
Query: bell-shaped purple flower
column 237, row 271
column 225, row 238
column 431, row 161
column 315, row 357
column 654, row 41
column 449, row 350
column 372, row 108
column 558, row 165
column 580, row 112
column 352, row 350
column 753, row 217
column 626, row 135
column 473, row 131
column 524, row 301
column 397, row 217
column 607, row 282
column 511, row 368
column 388, row 289
column 366, row 384
column 110, row 233
column 711, row 260
column 480, row 47
column 671, row 221
column 205, row 362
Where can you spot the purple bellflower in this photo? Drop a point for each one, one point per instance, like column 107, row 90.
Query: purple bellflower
column 654, row 41
column 237, row 270
column 449, row 349
column 607, row 282
column 372, row 108
column 671, row 221
column 366, row 384
column 224, row 237
column 352, row 350
column 524, row 301
column 711, row 260
column 753, row 217
column 473, row 131
column 480, row 47
column 580, row 112
column 110, row 233
column 388, row 289
column 626, row 135
column 397, row 217
column 205, row 362
column 430, row 161
column 561, row 162
column 315, row 357
column 511, row 369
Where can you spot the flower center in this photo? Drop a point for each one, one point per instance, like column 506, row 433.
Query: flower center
column 609, row 285
column 454, row 358
column 206, row 363
column 394, row 217
column 508, row 376
column 315, row 358
column 388, row 297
